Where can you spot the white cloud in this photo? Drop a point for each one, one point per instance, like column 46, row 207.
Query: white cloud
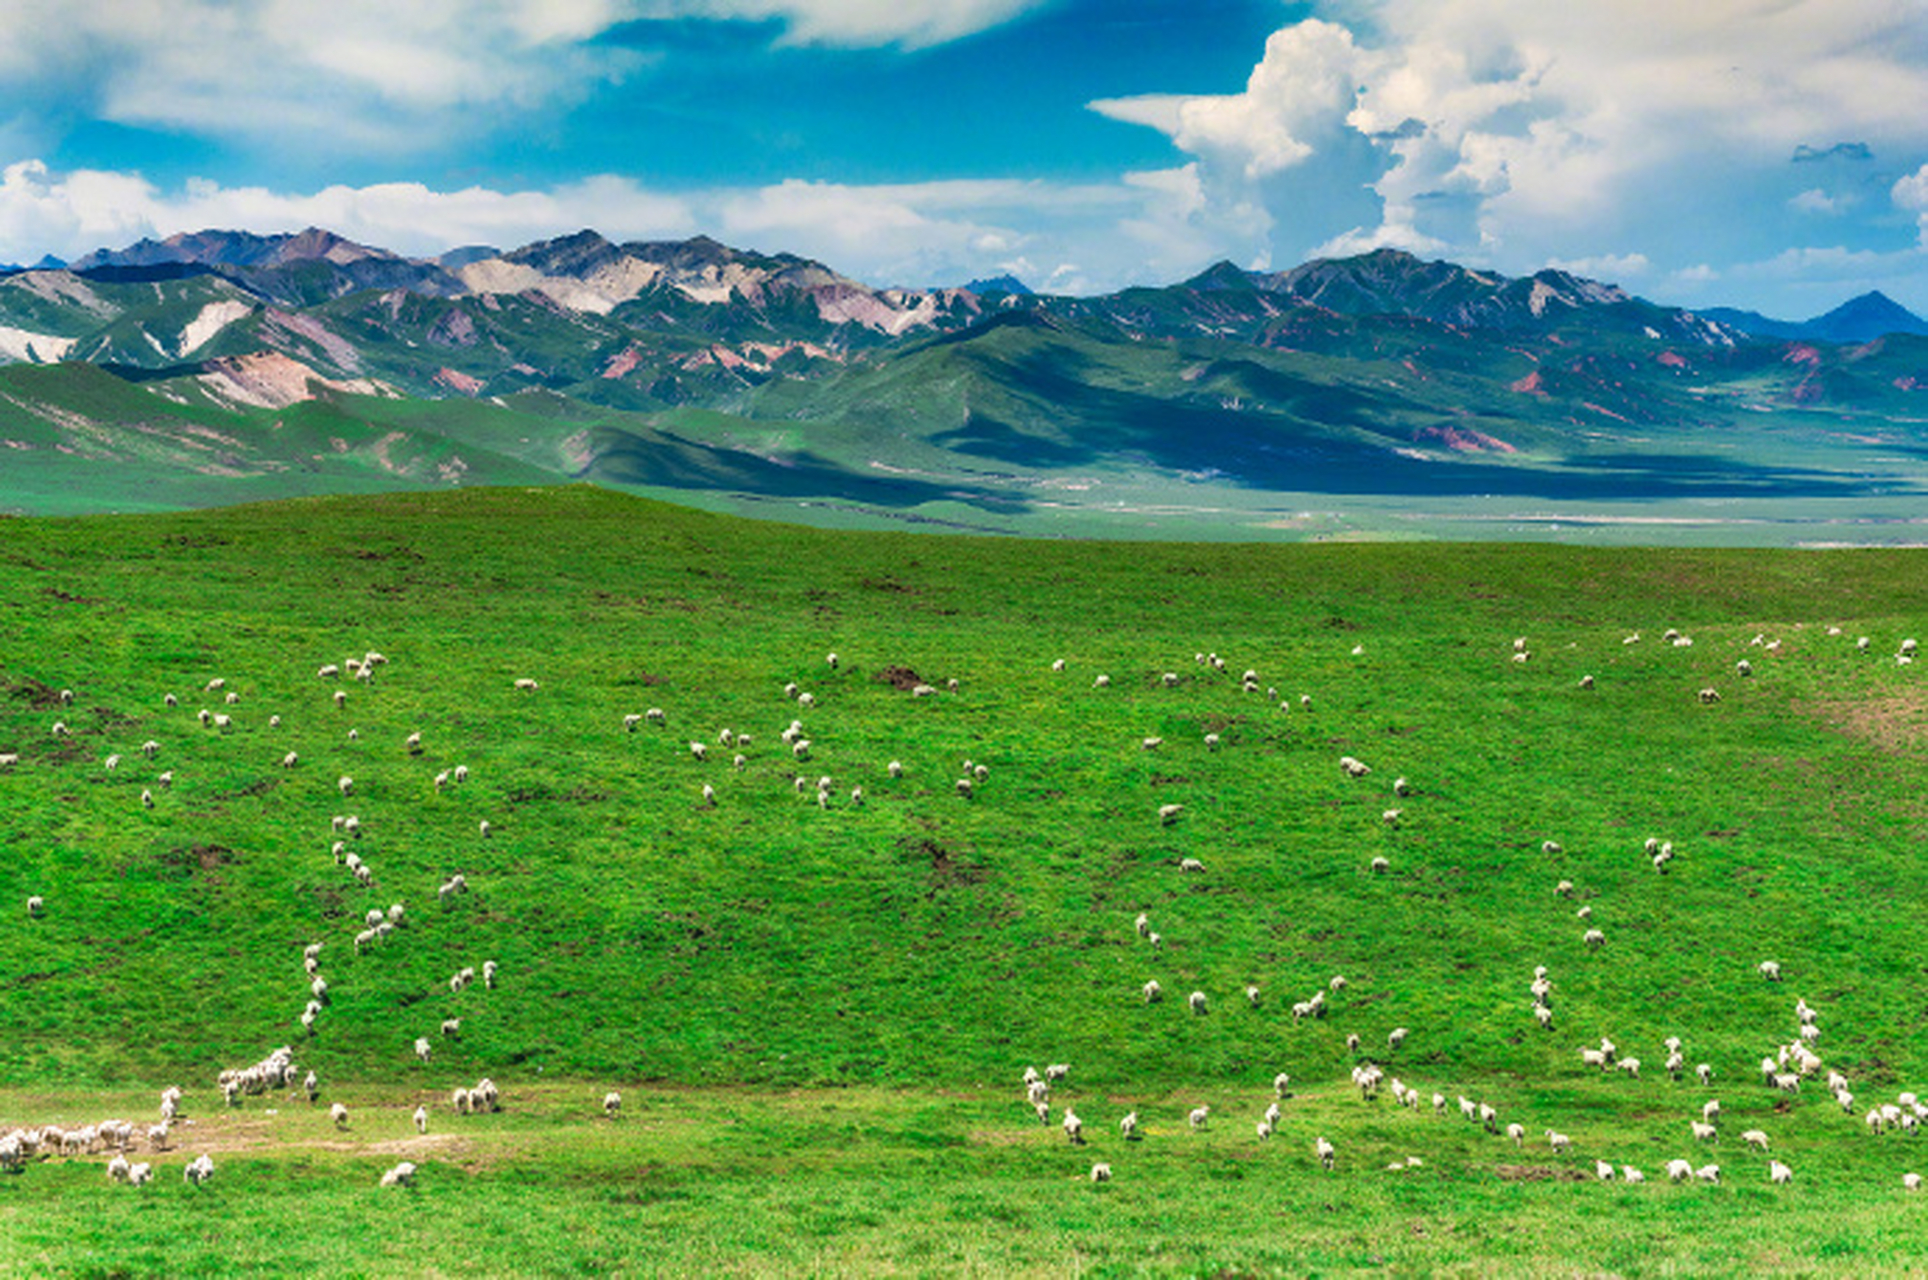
column 1911, row 193
column 1815, row 200
column 1511, row 132
column 860, row 23
column 346, row 77
column 1610, row 267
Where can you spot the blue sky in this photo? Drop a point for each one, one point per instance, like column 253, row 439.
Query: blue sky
column 1764, row 153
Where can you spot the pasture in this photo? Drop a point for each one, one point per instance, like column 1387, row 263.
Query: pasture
column 818, row 1009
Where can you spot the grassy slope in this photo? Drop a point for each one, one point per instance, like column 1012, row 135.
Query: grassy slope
column 927, row 943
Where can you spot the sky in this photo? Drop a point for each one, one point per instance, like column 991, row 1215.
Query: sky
column 1770, row 154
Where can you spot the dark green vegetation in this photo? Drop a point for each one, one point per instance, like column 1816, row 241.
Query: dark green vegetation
column 1376, row 396
column 818, row 1015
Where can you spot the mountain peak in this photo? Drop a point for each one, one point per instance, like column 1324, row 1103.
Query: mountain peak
column 1221, row 275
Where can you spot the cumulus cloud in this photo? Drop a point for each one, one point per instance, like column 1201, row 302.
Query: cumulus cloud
column 1514, row 132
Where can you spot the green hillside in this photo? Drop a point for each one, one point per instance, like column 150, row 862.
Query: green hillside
column 818, row 1011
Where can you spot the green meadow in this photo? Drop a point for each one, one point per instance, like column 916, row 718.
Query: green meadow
column 818, row 1008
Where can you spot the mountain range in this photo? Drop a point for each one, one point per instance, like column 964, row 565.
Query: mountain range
column 226, row 364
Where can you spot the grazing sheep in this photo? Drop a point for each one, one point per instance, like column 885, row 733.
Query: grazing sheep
column 1517, row 1132
column 1324, row 1150
column 1153, row 992
column 1703, row 1132
column 1252, row 995
column 1594, row 939
column 1586, row 682
column 1197, row 1001
column 1353, row 768
column 1197, row 1117
column 1708, row 1173
column 1102, row 682
column 1558, row 1141
column 423, row 1048
column 1280, row 1083
column 1380, row 866
column 484, row 828
column 1129, row 1126
column 421, row 1119
column 612, row 1104
column 1101, row 1172
column 1709, row 696
column 1769, row 969
column 1603, row 1171
column 339, row 1114
column 1755, row 1138
column 1397, row 1037
column 401, row 1175
column 1705, row 1072
column 1151, row 744
column 1168, row 813
column 1073, row 1127
column 1191, row 865
column 1911, row 1182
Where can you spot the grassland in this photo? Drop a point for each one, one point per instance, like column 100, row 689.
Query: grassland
column 818, row 1015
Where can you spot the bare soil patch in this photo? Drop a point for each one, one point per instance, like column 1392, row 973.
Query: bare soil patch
column 1895, row 723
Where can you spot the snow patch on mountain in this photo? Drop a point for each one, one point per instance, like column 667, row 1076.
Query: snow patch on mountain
column 34, row 348
column 214, row 317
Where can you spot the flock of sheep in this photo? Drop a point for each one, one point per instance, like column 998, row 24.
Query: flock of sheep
column 1789, row 1061
column 1790, row 1057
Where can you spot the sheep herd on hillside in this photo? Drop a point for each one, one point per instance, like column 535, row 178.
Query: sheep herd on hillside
column 1791, row 1061
column 1790, row 1056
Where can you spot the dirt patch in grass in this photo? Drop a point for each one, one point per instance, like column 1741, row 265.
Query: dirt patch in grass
column 900, row 678
column 948, row 869
column 1537, row 1173
column 1896, row 723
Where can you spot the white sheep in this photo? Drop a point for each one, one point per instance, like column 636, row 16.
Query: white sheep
column 1197, row 1117
column 423, row 1048
column 339, row 1114
column 1755, row 1138
column 1558, row 1141
column 1353, row 768
column 1073, row 1127
column 401, row 1175
column 1325, row 1152
column 1102, row 682
column 421, row 1119
column 1168, row 813
column 1101, row 1172
column 1280, row 1083
column 1769, row 969
column 612, row 1104
column 199, row 1171
column 1191, row 866
column 1197, row 1001
column 1153, row 992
